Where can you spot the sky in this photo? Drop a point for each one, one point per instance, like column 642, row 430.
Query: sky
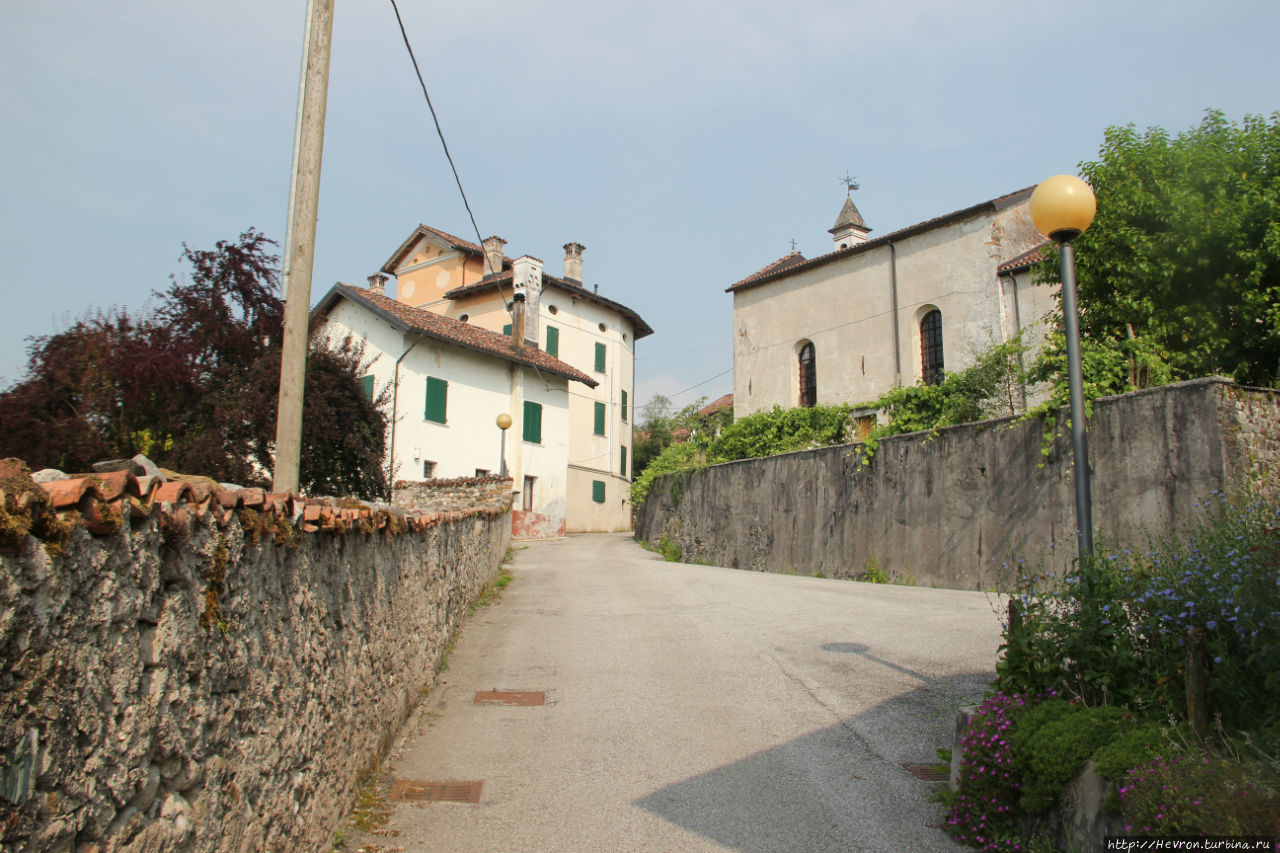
column 685, row 144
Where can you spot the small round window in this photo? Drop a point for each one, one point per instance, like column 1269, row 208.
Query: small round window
column 603, row 327
column 553, row 309
column 464, row 318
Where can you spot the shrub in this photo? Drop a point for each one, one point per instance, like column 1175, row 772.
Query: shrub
column 1197, row 793
column 1051, row 744
column 983, row 813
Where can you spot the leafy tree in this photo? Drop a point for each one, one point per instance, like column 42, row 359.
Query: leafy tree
column 193, row 384
column 1182, row 263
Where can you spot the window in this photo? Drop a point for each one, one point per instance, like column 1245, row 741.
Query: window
column 428, row 469
column 483, row 472
column 437, row 399
column 623, row 469
column 597, row 491
column 533, row 422
column 366, row 384
column 931, row 347
column 506, row 330
column 599, row 426
column 624, row 407
column 553, row 341
column 808, row 376
column 526, row 502
column 599, row 358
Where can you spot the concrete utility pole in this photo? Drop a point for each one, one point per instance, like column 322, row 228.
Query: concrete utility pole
column 299, row 247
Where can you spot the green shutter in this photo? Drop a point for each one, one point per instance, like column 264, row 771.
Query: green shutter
column 366, row 383
column 553, row 341
column 533, row 422
column 437, row 398
column 597, row 491
column 600, row 418
column 624, row 407
column 599, row 358
column 623, row 472
column 506, row 330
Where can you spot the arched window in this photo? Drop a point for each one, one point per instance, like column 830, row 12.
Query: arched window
column 931, row 347
column 808, row 377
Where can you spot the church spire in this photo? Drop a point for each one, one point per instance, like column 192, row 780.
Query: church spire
column 850, row 228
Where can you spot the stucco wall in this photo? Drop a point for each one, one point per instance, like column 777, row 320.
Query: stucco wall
column 207, row 676
column 948, row 509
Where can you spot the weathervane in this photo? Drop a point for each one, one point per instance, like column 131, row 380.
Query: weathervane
column 850, row 183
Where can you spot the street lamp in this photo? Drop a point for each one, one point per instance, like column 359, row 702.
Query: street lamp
column 504, row 423
column 1062, row 207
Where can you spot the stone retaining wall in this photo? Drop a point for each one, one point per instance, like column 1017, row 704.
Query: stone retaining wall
column 213, row 673
column 951, row 508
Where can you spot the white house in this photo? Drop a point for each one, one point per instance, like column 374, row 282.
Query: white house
column 873, row 314
column 562, row 318
column 450, row 380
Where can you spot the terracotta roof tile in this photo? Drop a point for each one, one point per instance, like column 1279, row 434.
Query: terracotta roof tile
column 642, row 328
column 725, row 402
column 101, row 502
column 774, row 271
column 1025, row 261
column 406, row 317
column 783, row 263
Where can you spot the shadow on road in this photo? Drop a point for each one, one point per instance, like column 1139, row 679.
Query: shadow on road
column 841, row 788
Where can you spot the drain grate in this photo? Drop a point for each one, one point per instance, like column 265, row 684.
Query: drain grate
column 409, row 791
column 928, row 772
column 524, row 698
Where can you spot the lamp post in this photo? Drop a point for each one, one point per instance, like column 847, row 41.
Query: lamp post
column 504, row 423
column 1062, row 207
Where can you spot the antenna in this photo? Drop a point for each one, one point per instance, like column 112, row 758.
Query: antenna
column 850, row 183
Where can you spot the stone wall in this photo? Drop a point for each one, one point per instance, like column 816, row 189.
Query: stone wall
column 951, row 508
column 427, row 496
column 212, row 672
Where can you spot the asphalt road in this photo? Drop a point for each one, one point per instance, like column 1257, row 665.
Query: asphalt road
column 693, row 708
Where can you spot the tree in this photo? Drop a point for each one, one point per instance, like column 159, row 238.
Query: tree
column 193, row 384
column 1182, row 263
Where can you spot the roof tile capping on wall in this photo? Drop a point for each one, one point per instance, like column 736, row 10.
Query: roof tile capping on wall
column 99, row 502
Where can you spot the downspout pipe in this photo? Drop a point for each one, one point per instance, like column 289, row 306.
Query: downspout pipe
column 395, row 396
column 893, row 298
column 1017, row 331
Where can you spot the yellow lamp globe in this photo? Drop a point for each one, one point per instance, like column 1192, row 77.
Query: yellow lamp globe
column 504, row 421
column 1063, row 207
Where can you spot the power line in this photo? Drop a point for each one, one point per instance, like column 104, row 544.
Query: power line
column 703, row 382
column 439, row 132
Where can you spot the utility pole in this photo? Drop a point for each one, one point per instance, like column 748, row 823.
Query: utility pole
column 299, row 247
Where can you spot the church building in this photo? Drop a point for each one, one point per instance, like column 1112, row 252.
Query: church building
column 876, row 313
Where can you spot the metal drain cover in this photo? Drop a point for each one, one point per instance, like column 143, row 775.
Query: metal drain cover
column 409, row 791
column 928, row 772
column 524, row 698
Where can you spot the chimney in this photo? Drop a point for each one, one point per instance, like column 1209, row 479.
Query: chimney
column 573, row 262
column 526, row 279
column 493, row 255
column 378, row 284
column 517, row 321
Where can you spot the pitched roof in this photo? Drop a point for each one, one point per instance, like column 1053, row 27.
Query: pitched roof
column 785, row 263
column 774, row 271
column 725, row 402
column 443, row 236
column 409, row 319
column 849, row 215
column 642, row 328
column 1025, row 261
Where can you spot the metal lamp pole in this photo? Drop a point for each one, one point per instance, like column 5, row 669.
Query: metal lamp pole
column 504, row 422
column 1062, row 207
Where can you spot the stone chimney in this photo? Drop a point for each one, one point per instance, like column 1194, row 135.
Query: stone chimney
column 378, row 284
column 517, row 321
column 573, row 262
column 526, row 278
column 493, row 255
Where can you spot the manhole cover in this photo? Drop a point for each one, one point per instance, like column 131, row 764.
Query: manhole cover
column 409, row 791
column 524, row 698
column 928, row 772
